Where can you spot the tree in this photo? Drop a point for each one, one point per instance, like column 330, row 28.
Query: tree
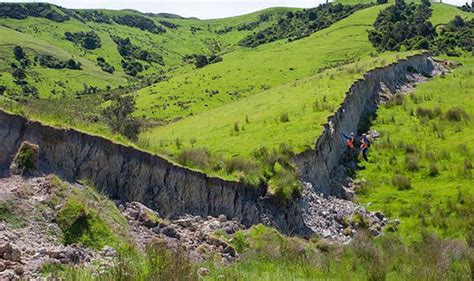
column 19, row 74
column 380, row 2
column 19, row 53
column 119, row 116
column 201, row 61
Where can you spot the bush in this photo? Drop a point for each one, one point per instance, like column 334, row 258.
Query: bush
column 118, row 116
column 456, row 114
column 433, row 170
column 26, row 159
column 195, row 157
column 401, row 182
column 284, row 117
column 105, row 66
column 425, row 112
column 411, row 162
column 88, row 40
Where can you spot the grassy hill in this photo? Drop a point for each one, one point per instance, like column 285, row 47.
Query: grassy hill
column 177, row 37
column 233, row 108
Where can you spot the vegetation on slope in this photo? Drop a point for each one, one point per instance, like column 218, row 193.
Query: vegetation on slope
column 86, row 35
column 432, row 152
column 301, row 23
column 407, row 26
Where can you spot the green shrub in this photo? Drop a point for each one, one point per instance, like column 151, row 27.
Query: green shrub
column 26, row 159
column 195, row 157
column 433, row 170
column 456, row 114
column 83, row 223
column 425, row 113
column 284, row 117
column 411, row 162
column 401, row 182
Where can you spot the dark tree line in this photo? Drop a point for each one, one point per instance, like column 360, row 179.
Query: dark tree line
column 246, row 26
column 200, row 60
column 168, row 24
column 457, row 34
column 468, row 8
column 39, row 10
column 131, row 53
column 94, row 16
column 50, row 61
column 296, row 25
column 406, row 25
column 403, row 24
column 20, row 75
column 138, row 21
column 105, row 66
column 88, row 40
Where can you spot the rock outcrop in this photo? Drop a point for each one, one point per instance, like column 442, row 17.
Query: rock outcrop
column 128, row 174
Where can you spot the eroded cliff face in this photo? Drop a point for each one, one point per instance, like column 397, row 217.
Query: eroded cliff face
column 129, row 174
column 318, row 165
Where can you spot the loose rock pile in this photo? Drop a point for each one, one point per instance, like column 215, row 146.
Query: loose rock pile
column 25, row 248
column 200, row 237
column 336, row 219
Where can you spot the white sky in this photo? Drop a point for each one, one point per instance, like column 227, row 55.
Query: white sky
column 203, row 9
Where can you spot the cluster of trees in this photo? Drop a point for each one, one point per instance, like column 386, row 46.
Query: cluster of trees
column 88, row 40
column 131, row 67
column 403, row 24
column 131, row 53
column 246, row 26
column 50, row 61
column 168, row 24
column 296, row 25
column 118, row 115
column 406, row 25
column 200, row 60
column 456, row 34
column 467, row 8
column 40, row 10
column 19, row 74
column 105, row 66
column 138, row 21
column 94, row 16
column 21, row 56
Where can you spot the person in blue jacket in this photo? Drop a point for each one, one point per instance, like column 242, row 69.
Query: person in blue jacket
column 350, row 140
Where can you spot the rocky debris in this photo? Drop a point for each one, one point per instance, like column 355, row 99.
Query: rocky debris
column 203, row 272
column 200, row 237
column 337, row 219
column 25, row 248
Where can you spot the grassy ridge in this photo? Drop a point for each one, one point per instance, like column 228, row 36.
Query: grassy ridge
column 427, row 139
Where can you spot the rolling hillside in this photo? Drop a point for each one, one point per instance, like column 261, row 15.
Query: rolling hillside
column 188, row 149
column 174, row 38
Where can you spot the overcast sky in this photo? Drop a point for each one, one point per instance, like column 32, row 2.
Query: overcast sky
column 203, row 9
